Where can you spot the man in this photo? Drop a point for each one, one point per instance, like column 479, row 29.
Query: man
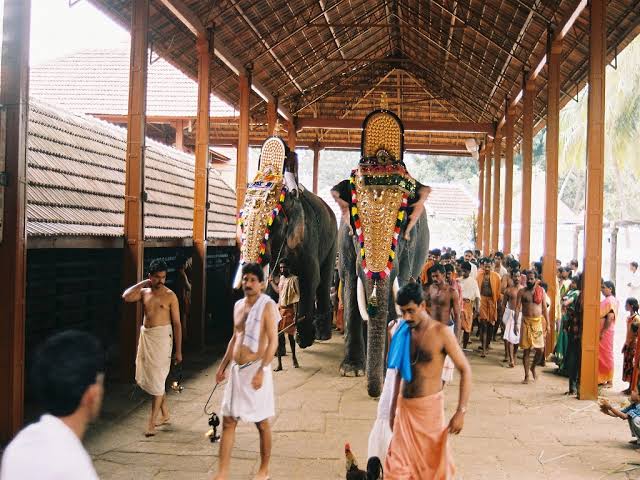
column 634, row 281
column 531, row 301
column 419, row 444
column 470, row 301
column 432, row 259
column 288, row 289
column 67, row 378
column 511, row 335
column 573, row 265
column 489, row 285
column 499, row 265
column 160, row 327
column 565, row 280
column 248, row 395
column 468, row 257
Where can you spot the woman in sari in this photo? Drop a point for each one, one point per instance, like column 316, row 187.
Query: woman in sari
column 608, row 313
column 629, row 348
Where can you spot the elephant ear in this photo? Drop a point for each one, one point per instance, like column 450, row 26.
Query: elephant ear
column 295, row 220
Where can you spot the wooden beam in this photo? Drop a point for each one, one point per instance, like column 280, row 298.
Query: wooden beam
column 409, row 125
column 195, row 334
column 495, row 220
column 486, row 229
column 272, row 116
column 14, row 98
column 508, row 185
column 594, row 201
column 243, row 141
column 549, row 268
column 183, row 13
column 179, row 143
column 316, row 164
column 480, row 219
column 131, row 319
column 527, row 174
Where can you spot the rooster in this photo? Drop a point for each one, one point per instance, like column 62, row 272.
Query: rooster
column 374, row 467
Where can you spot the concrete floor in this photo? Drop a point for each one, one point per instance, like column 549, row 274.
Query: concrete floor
column 512, row 431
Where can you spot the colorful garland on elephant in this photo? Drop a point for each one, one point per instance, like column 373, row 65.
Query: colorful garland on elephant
column 267, row 231
column 358, row 224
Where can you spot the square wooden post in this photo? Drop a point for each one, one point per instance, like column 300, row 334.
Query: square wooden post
column 508, row 181
column 14, row 100
column 316, row 162
column 480, row 218
column 594, row 200
column 549, row 268
column 243, row 139
column 272, row 115
column 486, row 240
column 134, row 186
column 495, row 220
column 195, row 334
column 527, row 173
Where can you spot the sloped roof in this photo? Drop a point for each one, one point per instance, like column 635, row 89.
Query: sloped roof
column 450, row 200
column 97, row 82
column 76, row 179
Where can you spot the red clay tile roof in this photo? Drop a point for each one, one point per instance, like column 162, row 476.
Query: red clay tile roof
column 450, row 200
column 96, row 82
column 76, row 182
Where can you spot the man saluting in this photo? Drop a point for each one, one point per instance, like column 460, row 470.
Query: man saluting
column 419, row 445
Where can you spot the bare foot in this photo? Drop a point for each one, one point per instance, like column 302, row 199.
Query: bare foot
column 526, row 381
column 533, row 372
column 150, row 432
column 511, row 365
column 261, row 476
column 163, row 421
column 483, row 355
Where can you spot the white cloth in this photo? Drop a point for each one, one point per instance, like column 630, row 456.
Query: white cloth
column 47, row 450
column 474, row 270
column 508, row 318
column 470, row 289
column 634, row 284
column 448, row 367
column 252, row 326
column 503, row 271
column 153, row 359
column 241, row 401
column 380, row 435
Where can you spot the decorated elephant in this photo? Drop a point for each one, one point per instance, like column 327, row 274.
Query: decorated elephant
column 281, row 219
column 383, row 247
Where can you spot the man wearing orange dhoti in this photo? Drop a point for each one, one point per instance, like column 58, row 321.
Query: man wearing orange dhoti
column 419, row 448
column 489, row 283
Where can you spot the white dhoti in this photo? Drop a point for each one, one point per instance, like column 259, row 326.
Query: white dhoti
column 153, row 359
column 448, row 367
column 380, row 435
column 241, row 401
column 509, row 320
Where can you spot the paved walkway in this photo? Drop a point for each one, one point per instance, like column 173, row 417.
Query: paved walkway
column 512, row 431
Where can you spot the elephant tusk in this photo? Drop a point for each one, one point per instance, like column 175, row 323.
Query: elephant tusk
column 237, row 279
column 362, row 301
column 394, row 289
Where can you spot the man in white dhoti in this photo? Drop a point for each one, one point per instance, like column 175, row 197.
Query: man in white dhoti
column 248, row 395
column 153, row 359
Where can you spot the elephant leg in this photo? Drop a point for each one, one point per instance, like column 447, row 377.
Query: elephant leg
column 305, row 329
column 354, row 361
column 322, row 319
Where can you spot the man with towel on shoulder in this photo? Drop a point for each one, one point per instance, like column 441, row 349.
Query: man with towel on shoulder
column 153, row 360
column 248, row 395
column 419, row 447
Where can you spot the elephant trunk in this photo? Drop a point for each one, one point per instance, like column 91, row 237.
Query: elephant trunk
column 376, row 334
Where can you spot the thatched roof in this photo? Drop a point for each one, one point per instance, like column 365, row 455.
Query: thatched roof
column 436, row 60
column 76, row 178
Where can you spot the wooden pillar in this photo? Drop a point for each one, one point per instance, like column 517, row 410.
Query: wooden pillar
column 316, row 162
column 480, row 219
column 272, row 116
column 292, row 136
column 179, row 143
column 508, row 182
column 243, row 139
column 14, row 98
column 495, row 220
column 486, row 231
column 134, row 185
column 196, row 327
column 551, row 204
column 594, row 200
column 527, row 166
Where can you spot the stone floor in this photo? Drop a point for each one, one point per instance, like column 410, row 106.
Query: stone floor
column 512, row 431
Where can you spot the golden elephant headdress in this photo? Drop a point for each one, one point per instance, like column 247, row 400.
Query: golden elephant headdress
column 263, row 201
column 380, row 189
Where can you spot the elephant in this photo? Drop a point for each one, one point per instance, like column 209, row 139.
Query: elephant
column 303, row 230
column 384, row 200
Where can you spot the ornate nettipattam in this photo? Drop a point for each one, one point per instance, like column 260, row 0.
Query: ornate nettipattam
column 263, row 201
column 380, row 189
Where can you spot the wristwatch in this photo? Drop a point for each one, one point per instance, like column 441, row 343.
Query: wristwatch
column 462, row 410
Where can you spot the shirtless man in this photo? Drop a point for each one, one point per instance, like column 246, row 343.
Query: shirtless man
column 248, row 395
column 418, row 446
column 153, row 360
column 443, row 300
column 535, row 320
column 511, row 323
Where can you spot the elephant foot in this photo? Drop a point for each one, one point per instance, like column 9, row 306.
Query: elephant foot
column 352, row 369
column 322, row 325
column 304, row 339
